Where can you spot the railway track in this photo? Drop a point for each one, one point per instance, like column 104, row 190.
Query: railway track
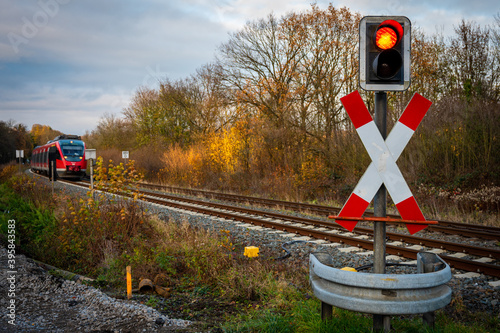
column 448, row 227
column 480, row 259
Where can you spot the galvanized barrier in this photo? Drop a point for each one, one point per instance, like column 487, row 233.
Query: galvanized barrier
column 382, row 294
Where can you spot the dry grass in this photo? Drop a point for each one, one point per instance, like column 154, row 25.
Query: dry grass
column 477, row 206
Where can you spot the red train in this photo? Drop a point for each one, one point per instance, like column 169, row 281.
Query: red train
column 68, row 152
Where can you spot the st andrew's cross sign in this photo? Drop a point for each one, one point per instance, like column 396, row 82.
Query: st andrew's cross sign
column 383, row 168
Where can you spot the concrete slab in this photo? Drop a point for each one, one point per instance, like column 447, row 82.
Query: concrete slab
column 467, row 275
column 333, row 244
column 458, row 255
column 436, row 251
column 290, row 235
column 319, row 241
column 495, row 284
column 484, row 260
column 350, row 249
column 304, row 238
column 393, row 258
column 416, row 247
column 347, row 234
column 362, row 237
column 395, row 243
column 256, row 227
column 367, row 253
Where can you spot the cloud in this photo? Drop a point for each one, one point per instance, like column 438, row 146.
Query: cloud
column 65, row 63
column 68, row 110
column 429, row 15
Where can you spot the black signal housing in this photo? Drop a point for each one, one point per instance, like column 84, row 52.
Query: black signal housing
column 384, row 53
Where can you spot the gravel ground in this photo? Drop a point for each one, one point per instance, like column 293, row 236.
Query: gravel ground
column 32, row 300
column 46, row 302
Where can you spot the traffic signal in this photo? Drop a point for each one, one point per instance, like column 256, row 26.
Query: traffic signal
column 384, row 53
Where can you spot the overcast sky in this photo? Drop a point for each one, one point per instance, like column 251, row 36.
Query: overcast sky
column 66, row 63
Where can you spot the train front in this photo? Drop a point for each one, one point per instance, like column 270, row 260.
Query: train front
column 73, row 158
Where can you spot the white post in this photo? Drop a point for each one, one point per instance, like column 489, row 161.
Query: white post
column 91, row 174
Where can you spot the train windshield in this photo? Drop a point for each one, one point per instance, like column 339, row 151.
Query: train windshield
column 72, row 151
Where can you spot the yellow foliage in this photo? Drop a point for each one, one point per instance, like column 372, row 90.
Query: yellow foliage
column 224, row 150
column 183, row 166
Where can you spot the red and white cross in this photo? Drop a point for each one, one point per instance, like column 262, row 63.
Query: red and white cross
column 383, row 168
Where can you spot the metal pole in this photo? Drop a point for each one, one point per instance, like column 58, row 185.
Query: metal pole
column 53, row 175
column 380, row 322
column 91, row 174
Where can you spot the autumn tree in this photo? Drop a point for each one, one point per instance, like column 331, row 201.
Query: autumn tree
column 180, row 111
column 495, row 49
column 268, row 110
column 13, row 137
column 328, row 70
column 8, row 147
column 471, row 60
column 41, row 134
column 211, row 111
column 291, row 72
column 112, row 132
column 146, row 115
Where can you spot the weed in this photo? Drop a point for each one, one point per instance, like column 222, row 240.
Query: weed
column 152, row 301
column 7, row 171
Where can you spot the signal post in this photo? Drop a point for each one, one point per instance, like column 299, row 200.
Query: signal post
column 384, row 66
column 384, row 56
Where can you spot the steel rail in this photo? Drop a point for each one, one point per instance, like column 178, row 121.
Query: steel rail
column 449, row 227
column 469, row 249
column 215, row 210
column 463, row 264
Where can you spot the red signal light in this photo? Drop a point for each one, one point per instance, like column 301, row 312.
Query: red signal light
column 386, row 38
column 388, row 34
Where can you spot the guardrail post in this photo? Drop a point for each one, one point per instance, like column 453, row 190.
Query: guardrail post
column 429, row 319
column 326, row 311
column 428, row 264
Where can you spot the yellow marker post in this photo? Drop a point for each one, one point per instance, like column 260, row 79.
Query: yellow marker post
column 129, row 282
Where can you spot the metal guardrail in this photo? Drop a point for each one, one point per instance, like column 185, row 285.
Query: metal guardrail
column 382, row 294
